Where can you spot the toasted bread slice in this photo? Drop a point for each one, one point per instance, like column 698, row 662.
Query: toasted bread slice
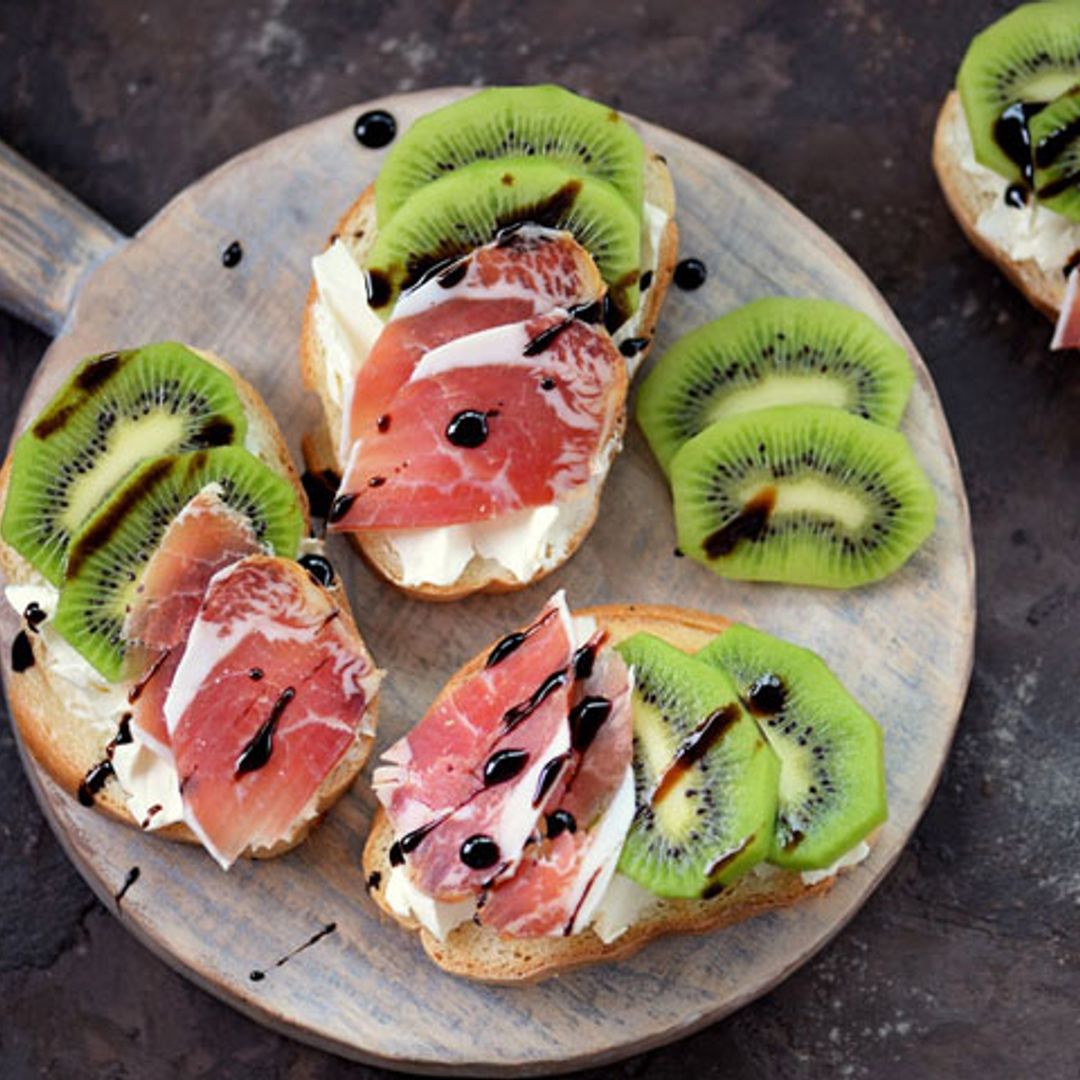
column 357, row 231
column 479, row 953
column 46, row 708
column 968, row 200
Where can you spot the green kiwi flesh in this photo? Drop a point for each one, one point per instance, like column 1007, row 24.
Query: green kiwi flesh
column 1055, row 143
column 583, row 136
column 705, row 779
column 1029, row 57
column 804, row 495
column 114, row 412
column 776, row 351
column 110, row 552
column 832, row 766
column 469, row 206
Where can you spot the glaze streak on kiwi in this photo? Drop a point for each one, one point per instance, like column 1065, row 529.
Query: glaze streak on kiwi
column 93, row 376
column 693, row 749
column 96, row 537
column 749, row 524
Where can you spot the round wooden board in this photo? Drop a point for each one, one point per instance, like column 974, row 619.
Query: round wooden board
column 904, row 647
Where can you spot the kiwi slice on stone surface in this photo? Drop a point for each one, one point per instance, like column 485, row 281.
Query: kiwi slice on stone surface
column 1055, row 143
column 832, row 765
column 1018, row 64
column 469, row 206
column 110, row 552
column 705, row 779
column 115, row 411
column 777, row 351
column 583, row 136
column 801, row 494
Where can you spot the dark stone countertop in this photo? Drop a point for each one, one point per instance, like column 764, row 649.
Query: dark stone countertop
column 964, row 963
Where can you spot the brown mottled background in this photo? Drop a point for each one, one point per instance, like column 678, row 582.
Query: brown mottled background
column 965, row 962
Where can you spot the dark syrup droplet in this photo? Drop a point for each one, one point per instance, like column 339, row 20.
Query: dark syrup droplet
column 129, row 880
column 375, row 129
column 319, row 567
column 646, row 281
column 232, row 255
column 469, row 429
column 479, row 852
column 559, row 822
column 586, row 719
column 632, row 346
column 340, row 507
column 690, row 274
column 94, row 781
column 34, row 616
column 750, row 523
column 767, row 695
column 320, row 488
column 1016, row 196
column 258, row 750
column 22, row 653
column 504, row 765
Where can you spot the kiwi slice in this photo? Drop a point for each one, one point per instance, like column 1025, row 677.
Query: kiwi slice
column 706, row 780
column 778, row 351
column 802, row 494
column 583, row 136
column 832, row 764
column 1024, row 60
column 469, row 206
column 109, row 553
column 115, row 411
column 1055, row 142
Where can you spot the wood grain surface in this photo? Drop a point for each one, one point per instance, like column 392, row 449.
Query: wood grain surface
column 904, row 647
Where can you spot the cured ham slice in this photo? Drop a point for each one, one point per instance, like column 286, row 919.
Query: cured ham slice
column 477, row 765
column 1067, row 331
column 563, row 876
column 491, row 423
column 271, row 692
column 525, row 273
column 202, row 539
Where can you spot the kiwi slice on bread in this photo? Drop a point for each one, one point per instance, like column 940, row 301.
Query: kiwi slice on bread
column 114, row 412
column 1055, row 146
column 469, row 206
column 705, row 779
column 1018, row 64
column 832, row 766
column 806, row 495
column 776, row 351
column 109, row 553
column 583, row 136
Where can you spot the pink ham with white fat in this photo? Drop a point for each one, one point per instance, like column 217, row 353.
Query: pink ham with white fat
column 273, row 689
column 563, row 876
column 465, row 788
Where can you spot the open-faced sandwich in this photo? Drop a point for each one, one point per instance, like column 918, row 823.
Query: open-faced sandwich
column 187, row 662
column 593, row 781
column 471, row 330
column 1007, row 154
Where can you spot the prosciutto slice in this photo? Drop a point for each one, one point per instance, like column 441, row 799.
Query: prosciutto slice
column 271, row 692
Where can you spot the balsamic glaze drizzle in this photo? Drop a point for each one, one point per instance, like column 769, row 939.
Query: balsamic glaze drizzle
column 232, row 255
column 320, row 569
column 259, row 975
column 129, row 880
column 690, row 274
column 694, row 747
column 375, row 129
column 468, row 429
column 22, row 653
column 504, row 765
column 261, row 745
column 479, row 852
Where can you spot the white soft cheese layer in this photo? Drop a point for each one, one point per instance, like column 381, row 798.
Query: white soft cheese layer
column 850, row 858
column 146, row 779
column 524, row 543
column 1031, row 233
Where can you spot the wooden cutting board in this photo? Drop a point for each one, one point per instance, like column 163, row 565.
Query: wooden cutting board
column 904, row 647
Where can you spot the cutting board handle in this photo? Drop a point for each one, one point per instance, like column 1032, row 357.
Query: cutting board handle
column 48, row 240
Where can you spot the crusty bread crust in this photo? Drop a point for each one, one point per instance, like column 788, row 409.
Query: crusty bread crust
column 478, row 953
column 357, row 231
column 66, row 746
column 967, row 201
